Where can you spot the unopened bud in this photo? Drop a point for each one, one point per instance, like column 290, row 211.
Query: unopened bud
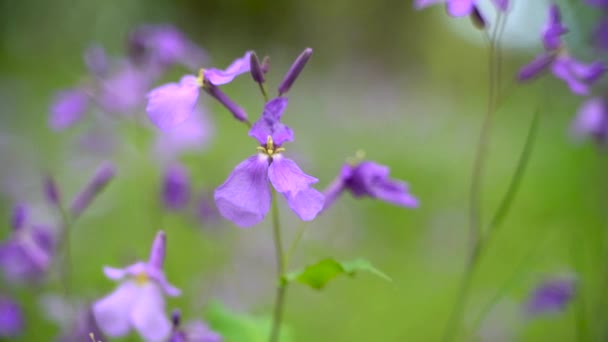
column 255, row 68
column 98, row 182
column 294, row 71
column 477, row 18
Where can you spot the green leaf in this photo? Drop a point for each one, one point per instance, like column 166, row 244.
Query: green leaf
column 319, row 274
column 236, row 327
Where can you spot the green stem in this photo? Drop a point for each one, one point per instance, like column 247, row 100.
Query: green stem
column 295, row 242
column 279, row 304
column 264, row 92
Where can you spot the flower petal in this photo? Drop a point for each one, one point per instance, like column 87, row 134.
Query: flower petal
column 114, row 273
column 238, row 67
column 286, row 176
column 562, row 69
column 533, row 69
column 244, row 198
column 459, row 8
column 420, row 4
column 553, row 29
column 124, row 91
column 175, row 191
column 113, row 313
column 592, row 118
column 306, row 203
column 269, row 123
column 148, row 314
column 172, row 103
column 68, row 108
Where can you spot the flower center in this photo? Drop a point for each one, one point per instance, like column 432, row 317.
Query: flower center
column 141, row 278
column 270, row 149
column 200, row 80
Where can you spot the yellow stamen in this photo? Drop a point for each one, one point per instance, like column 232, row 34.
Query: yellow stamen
column 270, row 149
column 200, row 80
column 141, row 278
column 359, row 156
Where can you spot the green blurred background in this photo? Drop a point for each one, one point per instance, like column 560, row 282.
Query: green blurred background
column 407, row 87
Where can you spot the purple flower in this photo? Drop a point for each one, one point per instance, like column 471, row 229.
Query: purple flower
column 124, row 91
column 138, row 302
column 456, row 8
column 592, row 120
column 245, row 197
column 173, row 103
column 164, row 45
column 11, row 318
column 96, row 60
column 26, row 254
column 552, row 296
column 368, row 179
column 176, row 187
column 579, row 76
column 191, row 135
column 195, row 331
column 68, row 108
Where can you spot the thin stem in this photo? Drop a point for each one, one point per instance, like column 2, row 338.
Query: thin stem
column 603, row 209
column 264, row 92
column 295, row 242
column 279, row 303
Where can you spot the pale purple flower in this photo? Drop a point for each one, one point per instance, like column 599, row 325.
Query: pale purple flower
column 173, row 103
column 26, row 254
column 138, row 302
column 103, row 175
column 592, row 120
column 11, row 318
column 68, row 107
column 191, row 135
column 294, row 71
column 96, row 60
column 368, row 179
column 552, row 296
column 195, row 331
column 579, row 76
column 164, row 45
column 245, row 197
column 124, row 90
column 175, row 192
column 456, row 8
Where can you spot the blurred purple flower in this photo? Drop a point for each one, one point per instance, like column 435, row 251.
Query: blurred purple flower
column 103, row 175
column 26, row 254
column 579, row 76
column 552, row 296
column 592, row 120
column 124, row 90
column 138, row 302
column 245, row 196
column 96, row 60
column 164, row 45
column 11, row 318
column 176, row 187
column 460, row 8
column 171, row 104
column 206, row 212
column 191, row 135
column 51, row 192
column 68, row 108
column 368, row 179
column 195, row 331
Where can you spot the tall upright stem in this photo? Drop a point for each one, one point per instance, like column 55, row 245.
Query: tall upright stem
column 279, row 303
